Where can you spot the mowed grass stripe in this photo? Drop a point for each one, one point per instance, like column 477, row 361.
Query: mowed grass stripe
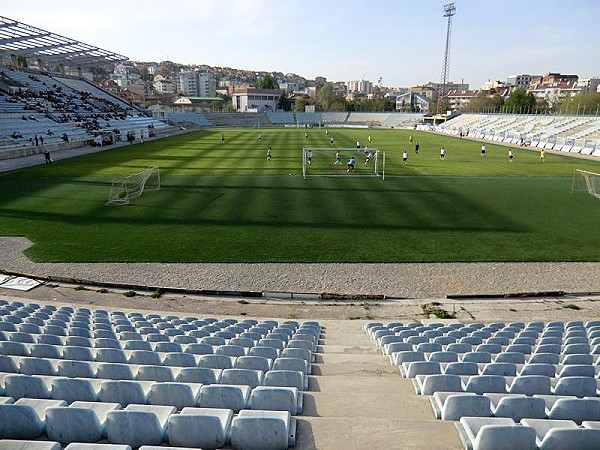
column 468, row 208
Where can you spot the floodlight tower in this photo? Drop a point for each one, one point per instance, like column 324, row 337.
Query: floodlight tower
column 449, row 11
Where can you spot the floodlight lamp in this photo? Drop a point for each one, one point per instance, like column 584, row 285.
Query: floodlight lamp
column 449, row 10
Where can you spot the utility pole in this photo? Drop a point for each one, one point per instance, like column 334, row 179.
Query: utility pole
column 449, row 11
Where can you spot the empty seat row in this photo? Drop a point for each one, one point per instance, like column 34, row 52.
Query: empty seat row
column 138, row 425
column 401, row 352
column 526, row 384
column 178, row 394
column 496, row 433
column 148, row 366
column 156, row 341
column 410, row 369
column 193, row 354
column 454, row 405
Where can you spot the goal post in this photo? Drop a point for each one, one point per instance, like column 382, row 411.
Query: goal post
column 126, row 188
column 586, row 181
column 334, row 161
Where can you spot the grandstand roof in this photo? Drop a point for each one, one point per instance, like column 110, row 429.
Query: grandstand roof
column 21, row 39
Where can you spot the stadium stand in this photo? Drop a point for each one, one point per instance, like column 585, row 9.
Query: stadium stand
column 534, row 386
column 173, row 400
column 42, row 111
column 568, row 134
column 236, row 119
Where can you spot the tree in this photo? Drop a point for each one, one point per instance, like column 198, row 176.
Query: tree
column 267, row 82
column 284, row 103
column 300, row 104
column 519, row 102
column 588, row 102
column 324, row 97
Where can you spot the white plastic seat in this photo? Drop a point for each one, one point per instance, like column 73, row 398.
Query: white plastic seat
column 78, row 353
column 111, row 355
column 178, row 395
column 145, row 357
column 45, row 351
column 576, row 386
column 201, row 375
column 114, row 371
column 75, row 369
column 289, row 378
column 80, row 422
column 429, row 384
column 216, row 361
column 263, row 430
column 224, row 396
column 575, row 409
column 253, row 362
column 496, row 433
column 36, row 366
column 531, row 385
column 519, row 406
column 200, row 427
column 459, row 405
column 138, row 425
column 179, row 359
column 19, row 422
column 284, row 363
column 267, row 352
column 73, row 389
column 17, row 444
column 154, row 373
column 198, row 349
column 123, row 392
column 26, row 386
column 480, row 384
column 276, row 398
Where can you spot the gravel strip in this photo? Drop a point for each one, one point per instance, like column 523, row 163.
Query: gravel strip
column 430, row 280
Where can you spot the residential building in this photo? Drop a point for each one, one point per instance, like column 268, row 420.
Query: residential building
column 412, row 102
column 589, row 84
column 521, row 81
column 458, row 99
column 255, row 100
column 197, row 83
column 359, row 87
column 163, row 85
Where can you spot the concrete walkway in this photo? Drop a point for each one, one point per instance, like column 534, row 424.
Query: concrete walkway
column 357, row 400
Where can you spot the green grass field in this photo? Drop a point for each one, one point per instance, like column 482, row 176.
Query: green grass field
column 224, row 202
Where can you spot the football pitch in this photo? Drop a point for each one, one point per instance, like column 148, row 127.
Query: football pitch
column 225, row 202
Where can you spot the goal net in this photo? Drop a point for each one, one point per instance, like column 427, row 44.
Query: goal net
column 337, row 161
column 125, row 189
column 584, row 181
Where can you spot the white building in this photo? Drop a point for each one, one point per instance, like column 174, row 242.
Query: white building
column 124, row 75
column 359, row 87
column 163, row 85
column 589, row 84
column 255, row 100
column 522, row 81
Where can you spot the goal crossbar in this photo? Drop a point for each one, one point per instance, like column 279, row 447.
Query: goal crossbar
column 124, row 189
column 586, row 181
column 324, row 161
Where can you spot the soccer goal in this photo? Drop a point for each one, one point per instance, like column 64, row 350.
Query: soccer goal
column 584, row 181
column 125, row 189
column 334, row 161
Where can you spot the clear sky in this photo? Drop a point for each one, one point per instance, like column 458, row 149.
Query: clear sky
column 401, row 41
